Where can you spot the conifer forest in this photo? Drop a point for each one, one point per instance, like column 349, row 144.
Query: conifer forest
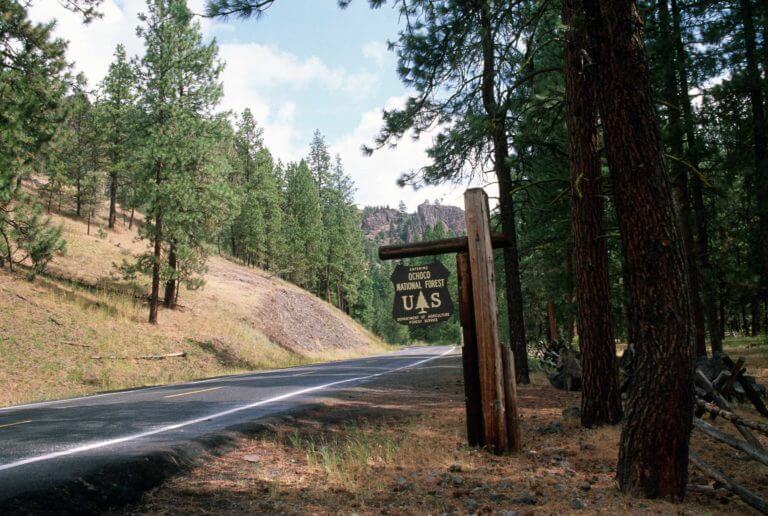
column 624, row 144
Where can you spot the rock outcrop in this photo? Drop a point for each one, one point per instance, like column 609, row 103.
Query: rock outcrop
column 389, row 224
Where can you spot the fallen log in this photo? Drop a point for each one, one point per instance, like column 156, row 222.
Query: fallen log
column 730, row 416
column 178, row 354
column 77, row 344
column 745, row 494
column 705, row 489
column 714, row 433
column 704, row 382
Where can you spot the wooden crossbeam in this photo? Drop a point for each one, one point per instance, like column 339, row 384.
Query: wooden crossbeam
column 435, row 247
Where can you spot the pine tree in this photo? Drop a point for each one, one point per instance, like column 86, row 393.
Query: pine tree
column 303, row 227
column 91, row 192
column 653, row 453
column 117, row 113
column 600, row 401
column 254, row 233
column 33, row 83
column 80, row 141
column 319, row 161
column 182, row 176
column 342, row 236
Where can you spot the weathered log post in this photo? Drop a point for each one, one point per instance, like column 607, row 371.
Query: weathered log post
column 492, row 381
column 475, row 436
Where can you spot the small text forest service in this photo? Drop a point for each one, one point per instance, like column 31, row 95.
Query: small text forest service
column 421, row 294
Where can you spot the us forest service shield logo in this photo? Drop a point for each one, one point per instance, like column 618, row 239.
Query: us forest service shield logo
column 421, row 294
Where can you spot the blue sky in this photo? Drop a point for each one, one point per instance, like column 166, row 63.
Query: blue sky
column 305, row 65
column 351, row 42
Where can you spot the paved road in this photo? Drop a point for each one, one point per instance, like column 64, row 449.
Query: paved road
column 48, row 444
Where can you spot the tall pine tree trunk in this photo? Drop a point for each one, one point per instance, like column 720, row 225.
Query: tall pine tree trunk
column 552, row 319
column 653, row 452
column 755, row 316
column 498, row 134
column 78, row 195
column 600, row 398
column 169, row 299
column 154, row 297
column 112, row 199
column 680, row 176
column 701, row 242
column 760, row 137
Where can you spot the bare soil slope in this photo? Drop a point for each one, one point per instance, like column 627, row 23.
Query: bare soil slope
column 242, row 319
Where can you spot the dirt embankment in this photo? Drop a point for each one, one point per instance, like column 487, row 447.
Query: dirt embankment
column 397, row 446
column 242, row 319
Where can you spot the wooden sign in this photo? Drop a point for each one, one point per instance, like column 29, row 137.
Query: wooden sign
column 421, row 298
column 421, row 294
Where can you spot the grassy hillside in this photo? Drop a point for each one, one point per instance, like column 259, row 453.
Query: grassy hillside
column 242, row 319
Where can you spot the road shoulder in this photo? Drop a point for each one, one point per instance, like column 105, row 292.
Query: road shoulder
column 397, row 446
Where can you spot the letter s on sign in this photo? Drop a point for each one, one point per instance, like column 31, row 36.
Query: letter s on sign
column 436, row 303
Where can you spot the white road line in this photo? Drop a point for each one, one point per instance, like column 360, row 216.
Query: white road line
column 110, row 442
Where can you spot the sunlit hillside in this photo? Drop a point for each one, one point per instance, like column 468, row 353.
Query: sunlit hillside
column 242, row 319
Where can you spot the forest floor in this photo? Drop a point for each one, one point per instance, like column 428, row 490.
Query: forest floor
column 398, row 447
column 242, row 319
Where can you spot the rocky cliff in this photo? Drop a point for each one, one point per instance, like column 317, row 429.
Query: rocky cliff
column 393, row 225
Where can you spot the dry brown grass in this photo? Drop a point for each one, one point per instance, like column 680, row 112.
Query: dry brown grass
column 243, row 319
column 398, row 447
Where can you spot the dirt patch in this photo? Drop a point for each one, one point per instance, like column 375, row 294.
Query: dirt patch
column 398, row 447
column 305, row 324
column 224, row 354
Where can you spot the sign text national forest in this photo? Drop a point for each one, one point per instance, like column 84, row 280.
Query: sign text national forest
column 421, row 294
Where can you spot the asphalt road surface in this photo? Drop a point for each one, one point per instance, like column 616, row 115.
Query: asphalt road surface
column 50, row 444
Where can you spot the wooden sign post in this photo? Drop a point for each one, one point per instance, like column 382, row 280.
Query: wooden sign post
column 489, row 377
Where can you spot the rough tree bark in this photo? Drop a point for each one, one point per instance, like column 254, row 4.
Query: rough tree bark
column 169, row 299
column 154, row 297
column 112, row 199
column 498, row 133
column 653, row 452
column 600, row 398
column 553, row 334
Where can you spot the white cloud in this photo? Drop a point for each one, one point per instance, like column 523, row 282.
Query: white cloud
column 254, row 71
column 377, row 52
column 91, row 46
column 262, row 66
column 376, row 176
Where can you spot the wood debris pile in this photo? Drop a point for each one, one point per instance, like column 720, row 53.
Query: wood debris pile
column 562, row 364
column 721, row 384
column 722, row 390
